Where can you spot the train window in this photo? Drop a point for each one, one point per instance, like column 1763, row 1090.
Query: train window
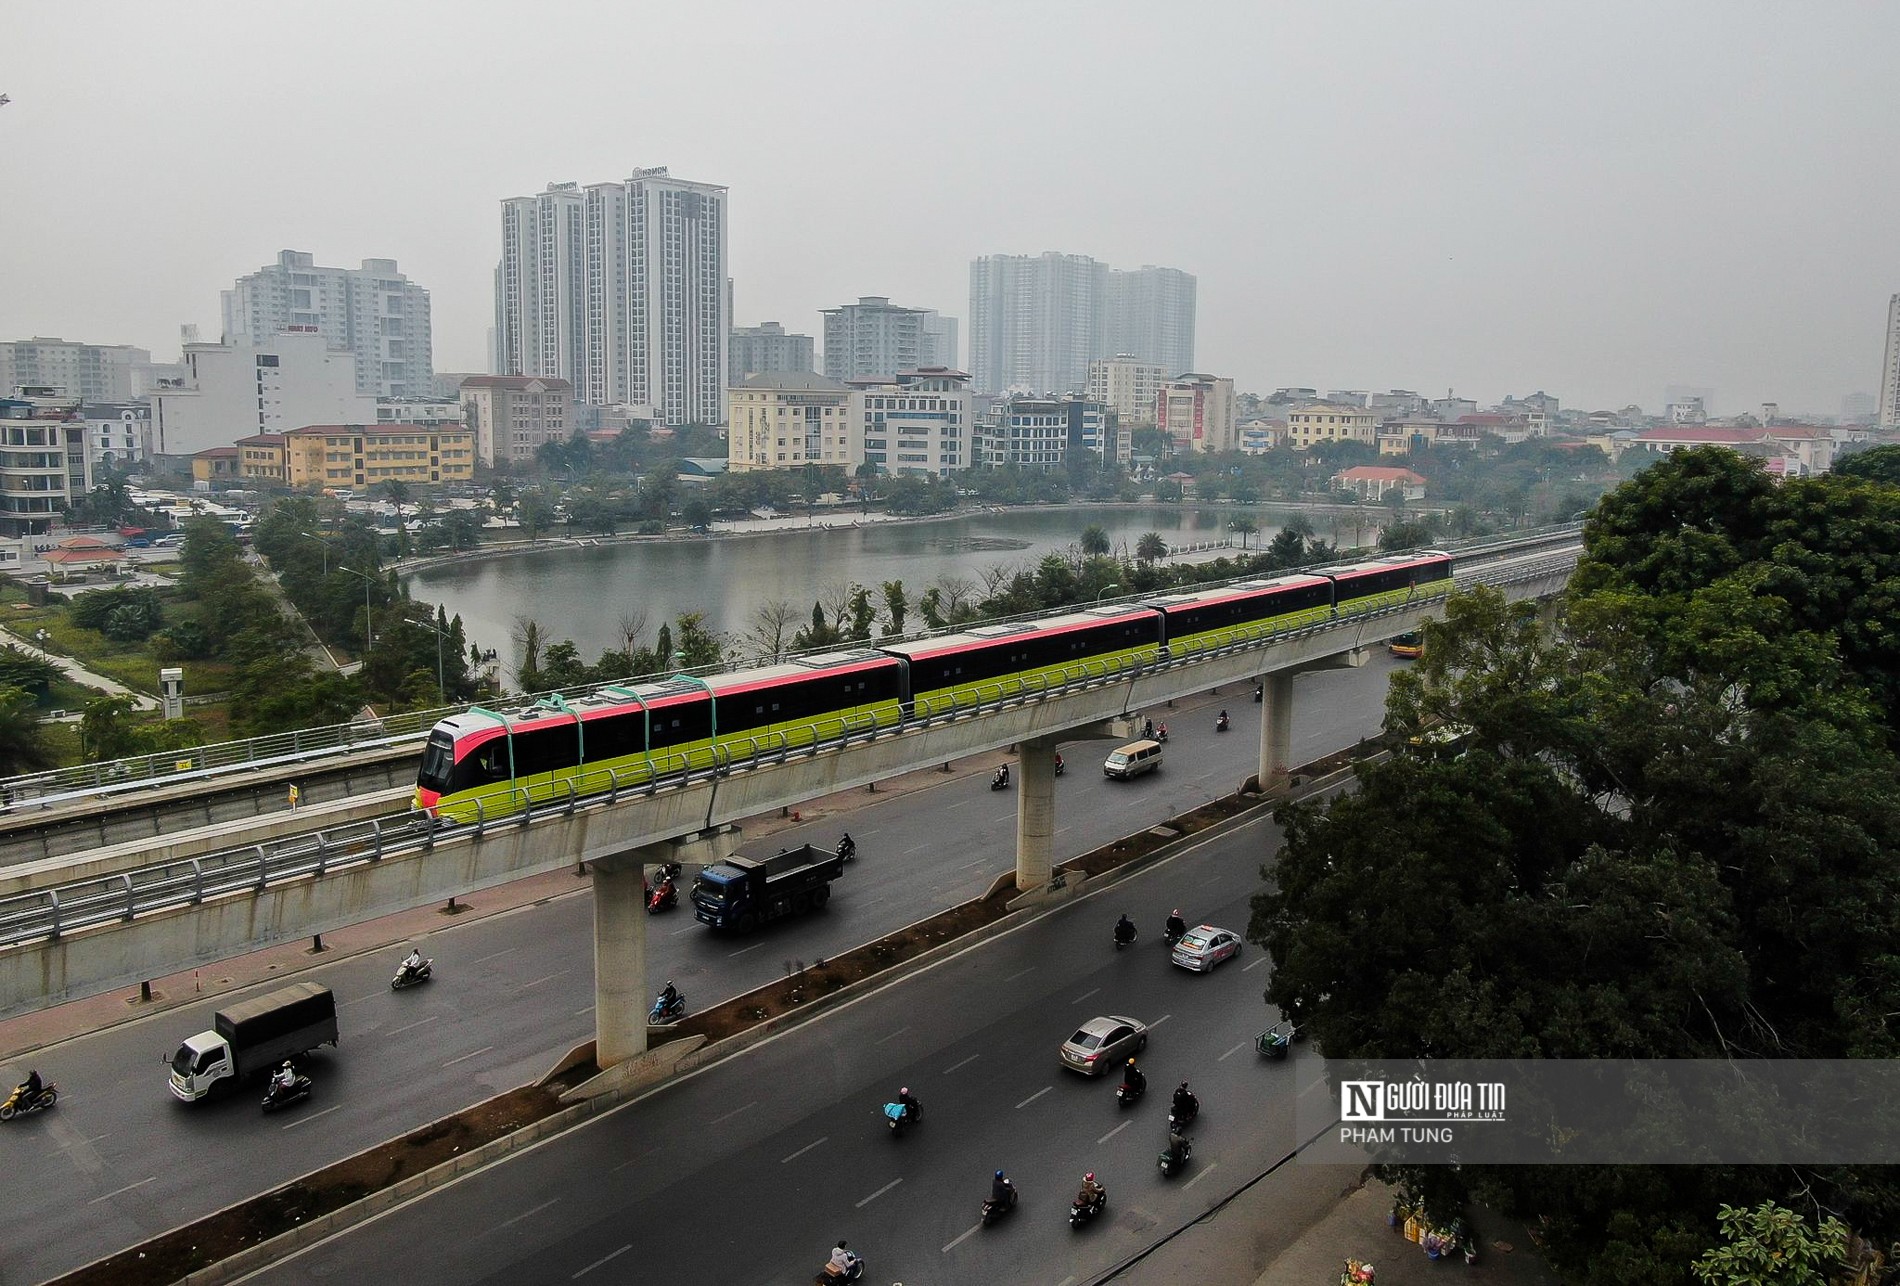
column 492, row 760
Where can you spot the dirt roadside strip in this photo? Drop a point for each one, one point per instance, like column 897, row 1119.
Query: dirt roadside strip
column 245, row 1236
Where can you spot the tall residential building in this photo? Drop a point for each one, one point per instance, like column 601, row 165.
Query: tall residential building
column 875, row 339
column 46, row 463
column 787, row 420
column 1197, row 411
column 1036, row 322
column 1128, row 385
column 514, row 416
column 373, row 311
column 232, row 391
column 920, row 422
column 1890, row 369
column 620, row 289
column 81, row 372
column 758, row 350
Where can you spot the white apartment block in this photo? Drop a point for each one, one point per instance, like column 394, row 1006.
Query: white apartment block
column 373, row 311
column 761, row 349
column 1128, row 386
column 875, row 339
column 919, row 423
column 233, row 391
column 1197, row 411
column 419, row 410
column 789, row 419
column 1040, row 432
column 1308, row 423
column 1150, row 312
column 1890, row 370
column 81, row 372
column 620, row 289
column 45, row 461
column 514, row 416
column 1036, row 322
column 120, row 432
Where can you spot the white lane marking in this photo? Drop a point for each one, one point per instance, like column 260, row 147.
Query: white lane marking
column 1020, row 973
column 464, row 1058
column 965, row 1063
column 1207, row 1170
column 690, row 926
column 718, row 1120
column 420, row 1022
column 1067, row 1281
column 630, row 1160
column 582, row 1013
column 305, row 1120
column 1230, row 1053
column 1117, row 1130
column 880, row 1192
column 893, row 1036
column 965, row 804
column 1157, row 1022
column 528, row 1214
column 1255, row 965
column 116, row 1191
column 1085, row 995
column 802, row 1151
column 598, row 1262
column 742, row 950
column 359, row 1000
column 1033, row 1097
column 493, row 955
column 967, row 1234
column 920, row 848
column 538, row 981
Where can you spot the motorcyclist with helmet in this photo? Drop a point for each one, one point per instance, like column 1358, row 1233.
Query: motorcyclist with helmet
column 1124, row 930
column 847, row 848
column 1176, row 927
column 285, row 1081
column 1092, row 1193
column 1000, row 1189
column 913, row 1110
column 1134, row 1078
column 1186, row 1106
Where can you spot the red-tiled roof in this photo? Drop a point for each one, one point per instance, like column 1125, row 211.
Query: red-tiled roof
column 1376, row 473
column 371, row 430
column 551, row 383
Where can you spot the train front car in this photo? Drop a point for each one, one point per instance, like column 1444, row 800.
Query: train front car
column 451, row 741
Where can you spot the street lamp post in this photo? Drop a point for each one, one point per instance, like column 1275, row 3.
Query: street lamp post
column 1106, row 592
column 441, row 688
column 40, row 637
column 326, row 548
column 369, row 632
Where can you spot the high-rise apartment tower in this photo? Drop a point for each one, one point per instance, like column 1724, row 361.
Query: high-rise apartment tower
column 373, row 311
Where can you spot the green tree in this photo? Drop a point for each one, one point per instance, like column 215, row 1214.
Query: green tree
column 1094, row 540
column 895, row 607
column 818, row 634
column 1246, row 526
column 23, row 745
column 1151, row 547
column 699, row 645
column 1771, row 1245
column 534, row 510
column 1876, row 464
column 31, row 674
column 863, row 614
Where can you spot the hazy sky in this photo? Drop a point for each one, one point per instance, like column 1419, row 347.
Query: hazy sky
column 1596, row 199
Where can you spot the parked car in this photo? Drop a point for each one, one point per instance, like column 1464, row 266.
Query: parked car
column 1102, row 1043
column 1204, row 946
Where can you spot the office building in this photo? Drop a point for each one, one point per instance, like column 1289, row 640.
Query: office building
column 231, row 391
column 46, row 460
column 80, row 372
column 1046, row 432
column 354, row 456
column 875, row 339
column 1308, row 423
column 762, row 349
column 621, row 289
column 920, row 422
column 1197, row 412
column 120, row 432
column 790, row 419
column 1890, row 370
column 373, row 311
column 1036, row 322
column 1128, row 385
column 514, row 416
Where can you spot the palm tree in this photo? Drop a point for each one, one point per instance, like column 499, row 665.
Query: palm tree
column 1246, row 527
column 1151, row 548
column 23, row 747
column 1094, row 540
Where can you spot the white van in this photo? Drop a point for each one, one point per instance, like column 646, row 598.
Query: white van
column 1132, row 760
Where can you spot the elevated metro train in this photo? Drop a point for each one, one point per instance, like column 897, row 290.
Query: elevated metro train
column 486, row 763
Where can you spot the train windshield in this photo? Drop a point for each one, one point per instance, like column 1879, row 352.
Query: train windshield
column 437, row 760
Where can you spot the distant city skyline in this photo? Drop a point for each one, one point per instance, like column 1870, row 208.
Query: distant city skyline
column 1276, row 197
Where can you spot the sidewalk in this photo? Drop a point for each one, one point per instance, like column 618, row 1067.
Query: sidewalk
column 79, row 673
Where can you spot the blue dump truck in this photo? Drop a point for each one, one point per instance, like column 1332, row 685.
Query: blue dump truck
column 741, row 893
column 253, row 1036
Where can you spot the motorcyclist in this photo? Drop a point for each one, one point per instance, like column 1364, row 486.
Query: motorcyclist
column 1162, row 733
column 1092, row 1192
column 665, row 892
column 29, row 1089
column 1134, row 1078
column 286, row 1079
column 1259, row 692
column 1221, row 722
column 1058, row 761
column 1124, row 929
column 1000, row 1188
column 413, row 961
column 1177, row 927
column 912, row 1108
column 669, row 996
column 842, row 1257
column 1148, row 729
column 1177, row 1147
column 847, row 846
column 1185, row 1104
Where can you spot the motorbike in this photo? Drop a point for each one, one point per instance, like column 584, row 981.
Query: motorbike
column 832, row 1273
column 410, row 977
column 847, row 849
column 1058, row 765
column 277, row 1096
column 19, row 1103
column 1220, row 724
column 1161, row 734
column 664, row 898
column 1259, row 693
column 1127, row 1095
column 1170, row 936
column 1169, row 1163
column 1080, row 1211
column 1000, row 781
column 994, row 1209
column 1179, row 1120
column 1128, row 941
column 898, row 1117
column 664, row 1012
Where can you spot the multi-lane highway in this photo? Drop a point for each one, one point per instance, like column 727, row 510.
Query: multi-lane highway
column 119, row 1161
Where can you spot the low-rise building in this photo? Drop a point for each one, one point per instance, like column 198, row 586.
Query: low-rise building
column 120, row 432
column 1260, row 435
column 357, row 456
column 215, row 464
column 1374, row 482
column 1129, row 387
column 1043, row 432
column 46, row 460
column 514, row 416
column 231, row 390
column 1792, row 450
column 1310, row 423
column 921, row 422
column 790, row 419
column 261, row 460
column 1197, row 411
